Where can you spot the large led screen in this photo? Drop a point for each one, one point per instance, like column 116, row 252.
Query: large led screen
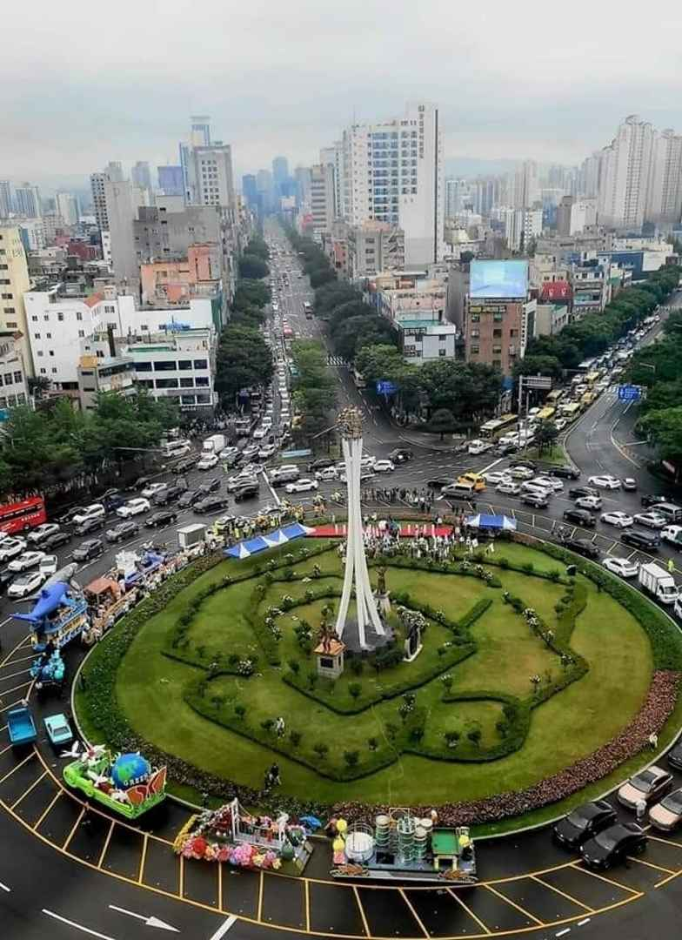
column 508, row 279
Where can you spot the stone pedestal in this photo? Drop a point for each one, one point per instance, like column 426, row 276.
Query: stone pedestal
column 413, row 645
column 330, row 659
column 383, row 602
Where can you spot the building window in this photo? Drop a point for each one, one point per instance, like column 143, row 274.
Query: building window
column 187, row 399
column 81, row 334
column 202, row 380
column 43, row 371
column 8, row 378
column 11, row 326
column 186, row 383
column 201, row 364
column 54, row 371
column 143, row 367
column 7, row 296
column 474, row 350
column 497, row 350
column 36, row 336
column 475, row 318
column 497, row 363
column 475, row 334
column 184, row 365
column 35, row 319
column 497, row 334
column 442, row 352
column 60, row 317
column 498, row 317
column 52, row 352
column 167, row 383
column 48, row 335
column 10, row 310
column 203, row 399
column 79, row 315
column 17, row 376
column 166, row 366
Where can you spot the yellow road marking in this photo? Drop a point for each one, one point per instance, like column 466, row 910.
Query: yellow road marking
column 13, row 675
column 468, row 910
column 181, row 886
column 517, row 906
column 106, row 844
column 413, row 911
column 659, row 884
column 8, row 747
column 73, row 831
column 368, row 932
column 259, row 913
column 17, row 766
column 19, row 701
column 26, row 792
column 144, row 858
column 46, row 811
column 616, row 884
column 666, row 871
column 16, row 687
column 677, row 845
column 563, row 894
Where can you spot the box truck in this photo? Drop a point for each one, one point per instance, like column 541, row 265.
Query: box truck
column 658, row 583
column 214, row 444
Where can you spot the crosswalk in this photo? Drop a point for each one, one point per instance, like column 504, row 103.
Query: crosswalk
column 337, row 361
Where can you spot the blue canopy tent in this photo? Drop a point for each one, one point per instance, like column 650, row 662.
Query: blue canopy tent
column 486, row 521
column 262, row 542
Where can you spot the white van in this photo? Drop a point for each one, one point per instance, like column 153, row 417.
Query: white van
column 176, row 448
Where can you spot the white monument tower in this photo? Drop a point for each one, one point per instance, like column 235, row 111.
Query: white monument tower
column 356, row 574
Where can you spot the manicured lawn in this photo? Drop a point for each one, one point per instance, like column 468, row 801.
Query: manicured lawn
column 151, row 687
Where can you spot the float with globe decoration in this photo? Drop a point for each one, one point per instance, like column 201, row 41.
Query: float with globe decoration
column 126, row 784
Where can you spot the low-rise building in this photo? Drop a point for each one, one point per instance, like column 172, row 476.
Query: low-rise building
column 415, row 304
column 13, row 379
column 497, row 331
column 105, row 374
column 590, row 286
column 374, row 247
column 550, row 318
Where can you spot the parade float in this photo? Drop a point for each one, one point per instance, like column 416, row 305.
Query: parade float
column 59, row 615
column 245, row 840
column 49, row 671
column 401, row 847
column 126, row 784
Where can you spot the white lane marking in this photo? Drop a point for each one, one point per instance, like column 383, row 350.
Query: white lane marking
column 562, row 933
column 4, row 888
column 71, row 923
column 581, row 923
column 148, row 921
column 493, row 464
column 222, row 930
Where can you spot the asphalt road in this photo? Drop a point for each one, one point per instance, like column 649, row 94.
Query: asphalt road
column 61, row 877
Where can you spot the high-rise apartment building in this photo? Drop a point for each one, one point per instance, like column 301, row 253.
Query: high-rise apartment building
column 522, row 227
column 664, row 202
column 170, row 180
column 250, row 190
column 206, row 167
column 626, row 166
column 302, row 177
column 27, row 201
column 114, row 171
column 322, row 197
column 393, row 172
column 280, row 170
column 455, row 190
column 6, row 199
column 14, row 282
column 68, row 208
column 589, row 178
column 200, row 131
column 140, row 175
column 526, row 185
column 98, row 183
column 123, row 200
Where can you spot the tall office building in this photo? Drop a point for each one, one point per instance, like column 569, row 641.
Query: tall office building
column 98, row 182
column 626, row 166
column 393, row 172
column 264, row 185
column 302, row 177
column 114, row 171
column 200, row 131
column 664, row 201
column 68, row 208
column 141, row 176
column 454, row 196
column 14, row 282
column 250, row 190
column 123, row 200
column 6, row 199
column 170, row 180
column 280, row 170
column 526, row 186
column 27, row 201
column 322, row 197
column 590, row 172
column 206, row 167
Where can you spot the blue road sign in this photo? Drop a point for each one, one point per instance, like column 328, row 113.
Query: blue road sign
column 386, row 388
column 629, row 392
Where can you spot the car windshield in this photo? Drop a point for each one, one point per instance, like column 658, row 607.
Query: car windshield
column 608, row 839
column 673, row 802
column 644, row 781
column 579, row 819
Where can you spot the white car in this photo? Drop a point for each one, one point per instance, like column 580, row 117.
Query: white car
column 301, row 486
column 94, row 511
column 49, row 565
column 133, row 507
column 328, row 473
column 509, row 488
column 266, row 452
column 673, row 534
column 521, row 473
column 605, row 482
column 652, row 519
column 383, row 466
column 260, row 433
column 42, row 532
column 535, row 489
column 25, row 584
column 153, row 489
column 10, row 548
column 589, row 502
column 549, row 483
column 617, row 518
column 208, row 462
column 26, row 561
column 227, row 452
column 235, row 482
column 560, row 424
column 477, row 447
column 367, row 460
column 622, row 567
column 493, row 477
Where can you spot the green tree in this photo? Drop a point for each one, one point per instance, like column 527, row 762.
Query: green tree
column 253, row 267
column 243, row 360
column 442, row 422
column 352, row 758
column 546, row 434
column 251, row 293
column 538, row 365
column 664, row 428
column 258, row 247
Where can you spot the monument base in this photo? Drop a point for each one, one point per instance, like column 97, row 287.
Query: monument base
column 373, row 640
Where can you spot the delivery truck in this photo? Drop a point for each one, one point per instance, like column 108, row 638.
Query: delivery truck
column 214, row 444
column 658, row 583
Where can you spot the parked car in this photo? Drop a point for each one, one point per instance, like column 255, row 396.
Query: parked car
column 630, row 484
column 170, row 494
column 549, row 483
column 56, row 539
column 302, row 486
column 604, row 482
column 66, row 518
column 49, row 565
column 211, row 504
column 565, row 472
column 58, row 730
column 10, row 548
column 210, row 486
column 26, row 560
column 537, row 500
column 90, row 525
column 477, row 447
column 184, row 465
column 580, row 517
column 620, row 519
column 124, row 530
column 521, row 473
column 321, row 463
column 667, row 815
column 327, row 473
column 651, row 500
column 150, row 491
column 675, row 755
column 584, row 822
column 161, row 517
column 384, row 466
column 646, row 541
column 246, row 491
column 651, row 519
column 589, row 502
column 614, row 845
column 582, row 547
column 6, row 578
column 42, row 532
column 93, row 511
column 509, row 488
column 267, row 451
column 25, row 584
column 622, row 567
column 134, row 507
column 493, row 477
column 89, row 549
column 578, row 492
column 648, row 785
column 673, row 535
column 208, row 462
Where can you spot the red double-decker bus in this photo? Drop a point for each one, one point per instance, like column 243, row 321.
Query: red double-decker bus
column 22, row 514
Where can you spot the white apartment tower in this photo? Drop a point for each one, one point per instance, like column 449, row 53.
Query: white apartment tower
column 625, row 175
column 98, row 183
column 322, row 198
column 393, row 172
column 664, row 203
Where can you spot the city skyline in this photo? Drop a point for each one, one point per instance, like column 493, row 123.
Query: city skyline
column 120, row 97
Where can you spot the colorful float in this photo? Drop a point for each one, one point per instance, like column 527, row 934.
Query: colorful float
column 48, row 670
column 59, row 616
column 245, row 840
column 126, row 784
column 402, row 847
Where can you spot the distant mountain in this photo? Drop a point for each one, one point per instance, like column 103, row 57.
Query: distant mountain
column 474, row 166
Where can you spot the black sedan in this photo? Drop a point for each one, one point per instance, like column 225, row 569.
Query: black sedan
column 580, row 517
column 567, row 473
column 614, row 845
column 211, row 486
column 56, row 540
column 246, row 491
column 401, row 455
column 651, row 500
column 577, row 491
column 582, row 547
column 583, row 823
column 211, row 504
column 189, row 499
column 675, row 756
column 162, row 517
column 91, row 548
column 124, row 530
column 170, row 494
column 67, row 517
column 184, row 465
column 320, row 464
column 646, row 541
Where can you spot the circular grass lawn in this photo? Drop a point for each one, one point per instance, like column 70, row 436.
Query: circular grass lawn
column 485, row 684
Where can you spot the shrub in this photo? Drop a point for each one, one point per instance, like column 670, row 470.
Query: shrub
column 354, row 690
column 240, row 711
column 372, row 744
column 295, row 666
column 352, row 758
column 267, row 725
column 356, row 666
column 312, row 679
column 475, row 735
column 451, row 738
column 321, row 749
column 295, row 738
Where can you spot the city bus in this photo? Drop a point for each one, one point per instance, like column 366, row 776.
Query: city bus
column 288, row 333
column 546, row 413
column 22, row 514
column 571, row 410
column 497, row 426
column 554, row 396
column 592, row 378
column 308, row 310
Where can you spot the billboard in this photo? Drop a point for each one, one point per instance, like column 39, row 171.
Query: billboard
column 508, row 279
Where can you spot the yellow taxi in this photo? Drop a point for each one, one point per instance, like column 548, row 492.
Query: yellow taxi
column 475, row 479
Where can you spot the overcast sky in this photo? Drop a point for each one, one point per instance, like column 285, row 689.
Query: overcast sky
column 85, row 82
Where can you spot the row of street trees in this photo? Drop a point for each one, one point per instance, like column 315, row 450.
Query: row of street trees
column 316, row 264
column 313, row 388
